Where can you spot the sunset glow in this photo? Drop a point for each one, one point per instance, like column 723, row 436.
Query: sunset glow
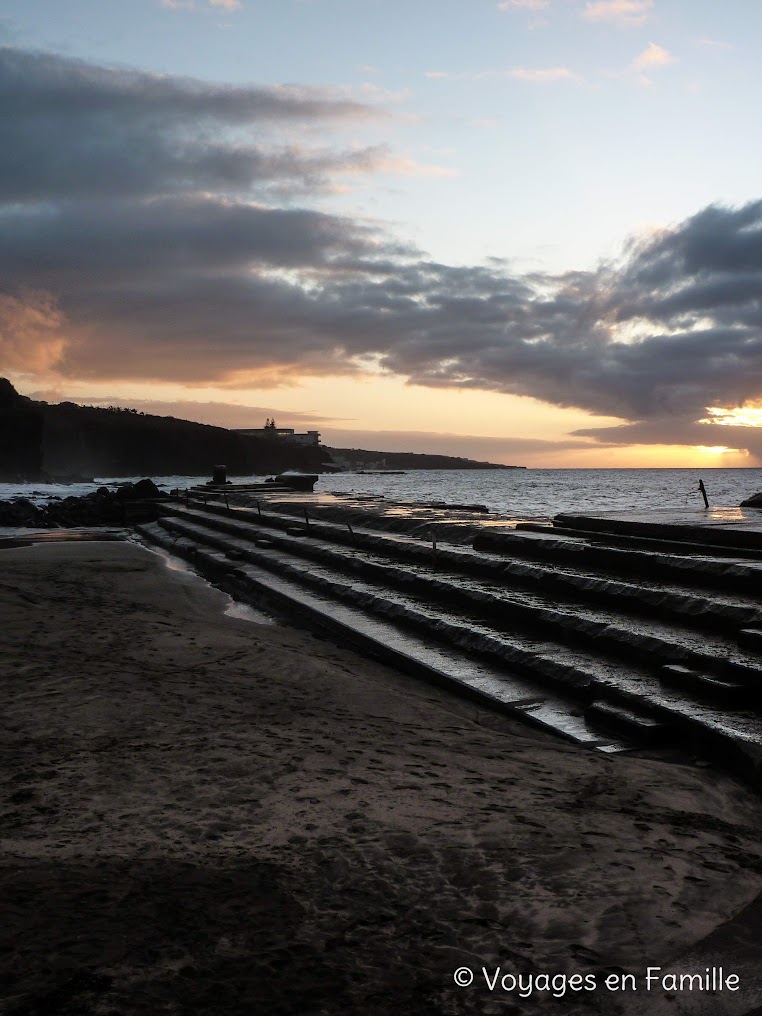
column 748, row 416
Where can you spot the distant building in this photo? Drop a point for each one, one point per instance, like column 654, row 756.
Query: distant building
column 270, row 431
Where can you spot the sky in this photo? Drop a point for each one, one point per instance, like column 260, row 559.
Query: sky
column 528, row 231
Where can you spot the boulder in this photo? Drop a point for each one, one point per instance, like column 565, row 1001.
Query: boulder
column 137, row 491
column 145, row 488
column 755, row 501
column 21, row 512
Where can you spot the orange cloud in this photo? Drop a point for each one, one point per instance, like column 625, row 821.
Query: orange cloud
column 30, row 339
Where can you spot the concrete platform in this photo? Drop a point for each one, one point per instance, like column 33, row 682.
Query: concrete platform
column 722, row 527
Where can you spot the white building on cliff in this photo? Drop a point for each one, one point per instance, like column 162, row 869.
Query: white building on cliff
column 273, row 433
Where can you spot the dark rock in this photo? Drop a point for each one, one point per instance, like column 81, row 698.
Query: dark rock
column 755, row 501
column 98, row 508
column 138, row 491
column 22, row 512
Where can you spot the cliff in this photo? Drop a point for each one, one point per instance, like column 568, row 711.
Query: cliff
column 40, row 441
column 21, row 435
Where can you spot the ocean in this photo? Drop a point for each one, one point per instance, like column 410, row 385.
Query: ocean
column 517, row 494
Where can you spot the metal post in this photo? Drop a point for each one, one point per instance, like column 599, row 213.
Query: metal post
column 306, row 517
column 259, row 508
column 702, row 491
column 227, row 503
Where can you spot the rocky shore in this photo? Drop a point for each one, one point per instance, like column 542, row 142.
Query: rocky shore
column 102, row 507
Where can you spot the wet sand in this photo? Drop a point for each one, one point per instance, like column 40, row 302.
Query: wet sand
column 204, row 815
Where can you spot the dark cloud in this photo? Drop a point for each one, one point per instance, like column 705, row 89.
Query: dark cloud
column 49, row 86
column 70, row 129
column 180, row 276
column 78, row 249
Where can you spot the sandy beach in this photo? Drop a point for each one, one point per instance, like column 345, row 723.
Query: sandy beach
column 205, row 815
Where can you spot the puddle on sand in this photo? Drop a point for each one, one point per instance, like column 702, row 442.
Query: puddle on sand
column 247, row 613
column 242, row 611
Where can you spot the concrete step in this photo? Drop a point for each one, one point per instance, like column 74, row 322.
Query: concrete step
column 424, row 658
column 737, row 575
column 731, row 693
column 688, row 529
column 733, row 737
column 603, row 632
column 632, row 540
column 628, row 722
column 740, row 575
column 568, row 666
column 721, row 611
column 533, row 655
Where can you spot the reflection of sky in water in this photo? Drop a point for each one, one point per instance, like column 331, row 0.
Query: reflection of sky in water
column 729, row 515
column 233, row 609
column 246, row 613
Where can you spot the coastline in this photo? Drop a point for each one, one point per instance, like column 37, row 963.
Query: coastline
column 212, row 815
